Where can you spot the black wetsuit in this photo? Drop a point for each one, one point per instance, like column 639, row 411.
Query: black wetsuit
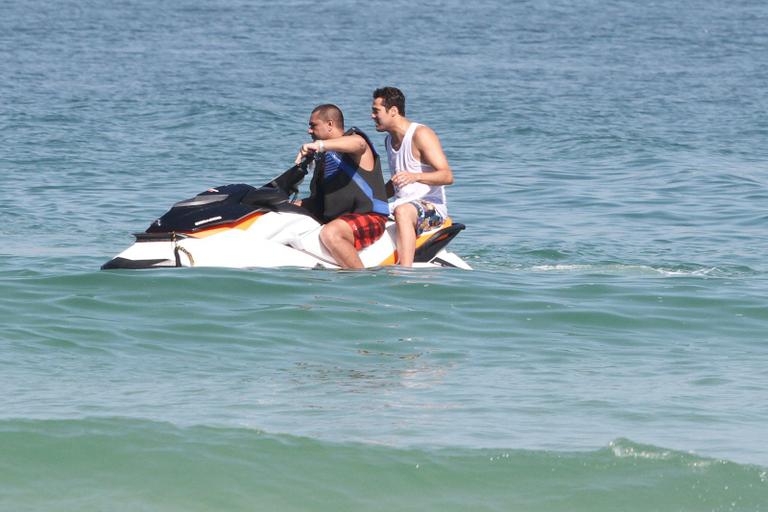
column 338, row 186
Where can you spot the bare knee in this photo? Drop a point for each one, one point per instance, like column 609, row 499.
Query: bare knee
column 332, row 234
column 405, row 214
column 327, row 235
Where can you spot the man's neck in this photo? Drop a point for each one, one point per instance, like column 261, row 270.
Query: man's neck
column 397, row 133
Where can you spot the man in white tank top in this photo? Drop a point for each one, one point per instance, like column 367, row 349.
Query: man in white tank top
column 419, row 171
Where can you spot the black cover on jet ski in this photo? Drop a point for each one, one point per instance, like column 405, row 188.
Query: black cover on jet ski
column 228, row 203
column 214, row 206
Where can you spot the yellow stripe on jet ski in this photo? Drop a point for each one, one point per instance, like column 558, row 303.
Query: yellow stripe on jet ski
column 242, row 224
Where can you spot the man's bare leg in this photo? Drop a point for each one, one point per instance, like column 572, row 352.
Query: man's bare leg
column 405, row 219
column 338, row 238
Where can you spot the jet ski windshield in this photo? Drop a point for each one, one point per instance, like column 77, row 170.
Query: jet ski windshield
column 201, row 200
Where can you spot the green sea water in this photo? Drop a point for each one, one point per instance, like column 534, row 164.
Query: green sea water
column 117, row 464
column 608, row 352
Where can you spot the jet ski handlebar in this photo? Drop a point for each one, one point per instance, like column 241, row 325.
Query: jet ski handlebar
column 290, row 180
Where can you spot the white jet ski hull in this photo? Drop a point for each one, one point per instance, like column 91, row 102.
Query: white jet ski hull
column 273, row 240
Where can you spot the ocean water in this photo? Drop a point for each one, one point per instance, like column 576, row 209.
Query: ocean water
column 608, row 353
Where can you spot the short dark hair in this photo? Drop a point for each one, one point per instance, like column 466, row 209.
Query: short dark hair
column 391, row 97
column 330, row 112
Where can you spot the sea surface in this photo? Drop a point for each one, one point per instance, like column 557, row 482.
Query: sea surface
column 609, row 351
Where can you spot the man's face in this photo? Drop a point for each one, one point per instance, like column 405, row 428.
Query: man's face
column 381, row 117
column 318, row 129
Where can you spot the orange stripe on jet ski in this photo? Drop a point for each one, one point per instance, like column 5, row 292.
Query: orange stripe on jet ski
column 243, row 223
column 392, row 258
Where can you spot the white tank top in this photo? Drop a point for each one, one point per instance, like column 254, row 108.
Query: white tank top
column 403, row 160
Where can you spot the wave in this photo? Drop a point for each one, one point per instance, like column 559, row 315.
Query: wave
column 128, row 464
column 562, row 261
column 636, row 269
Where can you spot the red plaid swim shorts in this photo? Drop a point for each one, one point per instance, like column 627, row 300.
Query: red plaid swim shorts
column 367, row 227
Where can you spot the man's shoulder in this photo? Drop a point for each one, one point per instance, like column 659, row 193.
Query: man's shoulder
column 423, row 134
column 358, row 134
column 355, row 131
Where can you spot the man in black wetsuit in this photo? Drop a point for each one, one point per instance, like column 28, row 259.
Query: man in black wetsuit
column 347, row 192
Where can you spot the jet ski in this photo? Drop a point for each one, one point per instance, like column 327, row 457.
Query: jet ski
column 241, row 226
